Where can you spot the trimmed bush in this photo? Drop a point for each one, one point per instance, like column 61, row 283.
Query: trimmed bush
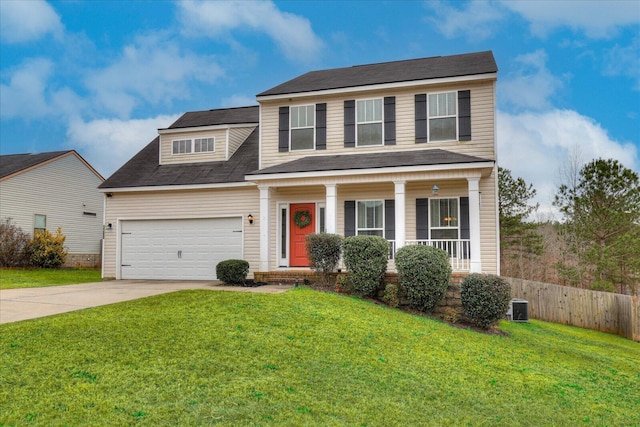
column 14, row 244
column 485, row 298
column 424, row 272
column 324, row 250
column 366, row 260
column 232, row 271
column 390, row 296
column 47, row 250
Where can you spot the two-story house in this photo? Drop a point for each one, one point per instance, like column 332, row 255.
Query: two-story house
column 405, row 150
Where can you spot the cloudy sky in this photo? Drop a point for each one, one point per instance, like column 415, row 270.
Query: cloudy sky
column 102, row 76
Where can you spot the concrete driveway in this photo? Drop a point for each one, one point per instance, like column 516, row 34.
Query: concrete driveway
column 30, row 303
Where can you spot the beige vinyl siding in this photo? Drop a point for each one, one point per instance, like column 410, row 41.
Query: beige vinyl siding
column 237, row 136
column 482, row 143
column 219, row 153
column 62, row 190
column 206, row 203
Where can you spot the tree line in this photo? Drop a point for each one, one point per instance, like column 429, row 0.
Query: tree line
column 596, row 242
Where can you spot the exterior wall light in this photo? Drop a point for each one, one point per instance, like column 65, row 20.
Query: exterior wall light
column 250, row 218
column 435, row 189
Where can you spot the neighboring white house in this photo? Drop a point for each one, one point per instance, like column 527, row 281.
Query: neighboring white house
column 405, row 150
column 51, row 190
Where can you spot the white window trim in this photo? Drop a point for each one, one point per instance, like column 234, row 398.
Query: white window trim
column 432, row 227
column 381, row 121
column 371, row 229
column 192, row 146
column 457, row 117
column 283, row 261
column 34, row 223
column 291, row 128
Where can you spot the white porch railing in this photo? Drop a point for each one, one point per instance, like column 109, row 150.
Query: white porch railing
column 459, row 250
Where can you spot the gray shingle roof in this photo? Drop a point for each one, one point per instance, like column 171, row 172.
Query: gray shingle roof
column 143, row 169
column 226, row 116
column 12, row 163
column 389, row 72
column 370, row 161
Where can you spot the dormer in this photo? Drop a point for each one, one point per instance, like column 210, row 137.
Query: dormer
column 206, row 136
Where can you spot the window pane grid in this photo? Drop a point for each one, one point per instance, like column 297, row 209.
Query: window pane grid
column 203, row 145
column 303, row 127
column 443, row 116
column 370, row 218
column 182, row 146
column 369, row 118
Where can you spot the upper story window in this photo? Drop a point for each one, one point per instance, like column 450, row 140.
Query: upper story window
column 198, row 145
column 444, row 218
column 369, row 122
column 442, row 116
column 39, row 223
column 302, row 127
column 370, row 218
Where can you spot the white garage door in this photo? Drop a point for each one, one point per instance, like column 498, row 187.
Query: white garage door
column 187, row 249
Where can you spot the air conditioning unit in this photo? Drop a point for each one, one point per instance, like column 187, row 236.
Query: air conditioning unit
column 518, row 310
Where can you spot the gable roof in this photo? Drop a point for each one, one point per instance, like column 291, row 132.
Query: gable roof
column 225, row 116
column 389, row 72
column 143, row 169
column 370, row 161
column 14, row 164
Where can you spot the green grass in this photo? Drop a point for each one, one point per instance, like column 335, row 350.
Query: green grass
column 306, row 358
column 36, row 278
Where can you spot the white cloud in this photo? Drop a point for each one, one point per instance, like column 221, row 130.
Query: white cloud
column 152, row 70
column 624, row 60
column 24, row 95
column 107, row 144
column 25, row 21
column 535, row 145
column 475, row 20
column 293, row 34
column 531, row 85
column 597, row 19
column 238, row 100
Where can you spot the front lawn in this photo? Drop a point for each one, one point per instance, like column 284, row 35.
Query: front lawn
column 306, row 358
column 39, row 277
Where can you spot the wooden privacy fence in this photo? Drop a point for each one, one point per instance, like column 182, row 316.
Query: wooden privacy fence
column 600, row 311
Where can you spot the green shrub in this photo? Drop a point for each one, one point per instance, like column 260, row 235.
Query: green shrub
column 47, row 250
column 366, row 260
column 232, row 271
column 324, row 250
column 485, row 298
column 14, row 244
column 424, row 272
column 390, row 296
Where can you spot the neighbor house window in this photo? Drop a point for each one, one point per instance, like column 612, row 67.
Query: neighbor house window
column 181, row 146
column 202, row 145
column 39, row 223
column 369, row 122
column 302, row 127
column 442, row 116
column 370, row 219
column 444, row 219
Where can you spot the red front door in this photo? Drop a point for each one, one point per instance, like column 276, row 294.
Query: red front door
column 303, row 212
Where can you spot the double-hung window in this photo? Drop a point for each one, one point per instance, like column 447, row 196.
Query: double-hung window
column 370, row 218
column 369, row 122
column 203, row 145
column 443, row 116
column 445, row 216
column 181, row 146
column 302, row 127
column 39, row 223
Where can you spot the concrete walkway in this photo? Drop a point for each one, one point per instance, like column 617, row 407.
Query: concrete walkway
column 31, row 303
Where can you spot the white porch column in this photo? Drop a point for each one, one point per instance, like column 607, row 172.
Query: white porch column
column 331, row 208
column 265, row 202
column 474, row 224
column 400, row 213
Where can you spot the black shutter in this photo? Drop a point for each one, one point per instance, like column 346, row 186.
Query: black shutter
column 283, row 130
column 390, row 219
column 321, row 126
column 390, row 120
column 421, row 118
column 465, row 231
column 422, row 219
column 349, row 218
column 349, row 123
column 464, row 115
